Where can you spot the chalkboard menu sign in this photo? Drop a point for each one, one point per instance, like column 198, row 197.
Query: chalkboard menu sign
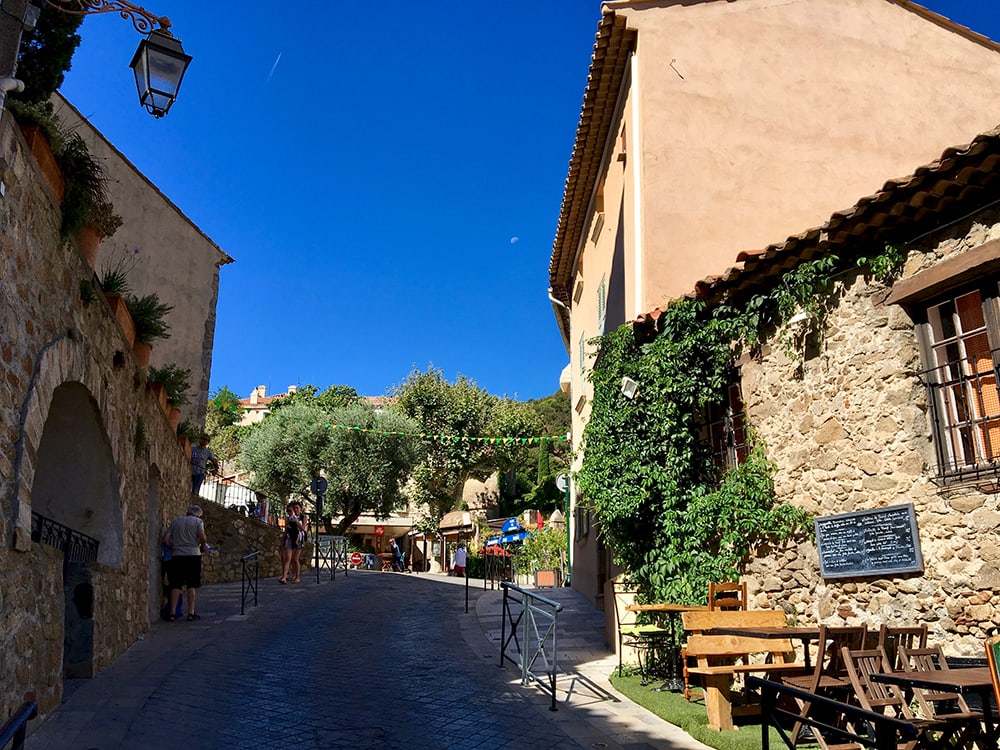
column 877, row 542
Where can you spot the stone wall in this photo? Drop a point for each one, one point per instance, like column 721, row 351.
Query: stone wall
column 848, row 428
column 59, row 345
column 234, row 536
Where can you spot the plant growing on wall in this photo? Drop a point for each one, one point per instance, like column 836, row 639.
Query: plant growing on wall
column 149, row 317
column 175, row 380
column 674, row 522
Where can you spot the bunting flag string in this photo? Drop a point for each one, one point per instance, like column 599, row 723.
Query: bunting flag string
column 448, row 438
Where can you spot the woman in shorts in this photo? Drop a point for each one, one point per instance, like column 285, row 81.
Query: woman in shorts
column 291, row 544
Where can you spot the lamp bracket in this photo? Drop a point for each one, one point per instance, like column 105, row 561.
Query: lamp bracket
column 142, row 20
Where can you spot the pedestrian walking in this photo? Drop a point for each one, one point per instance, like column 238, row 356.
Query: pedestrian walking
column 291, row 543
column 461, row 556
column 186, row 540
column 202, row 459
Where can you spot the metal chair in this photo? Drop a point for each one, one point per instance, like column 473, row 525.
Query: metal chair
column 643, row 638
column 727, row 595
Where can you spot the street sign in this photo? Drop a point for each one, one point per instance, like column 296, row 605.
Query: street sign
column 318, row 486
column 355, row 558
column 562, row 482
column 379, row 530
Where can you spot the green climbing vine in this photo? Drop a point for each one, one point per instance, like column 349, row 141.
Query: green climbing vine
column 676, row 521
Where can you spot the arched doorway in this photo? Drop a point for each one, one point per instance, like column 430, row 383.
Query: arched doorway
column 76, row 507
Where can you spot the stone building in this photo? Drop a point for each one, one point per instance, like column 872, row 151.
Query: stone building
column 176, row 260
column 895, row 402
column 90, row 469
column 713, row 125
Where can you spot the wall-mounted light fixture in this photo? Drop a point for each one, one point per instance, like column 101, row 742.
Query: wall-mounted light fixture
column 159, row 63
column 629, row 388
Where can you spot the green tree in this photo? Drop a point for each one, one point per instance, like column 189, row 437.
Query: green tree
column 332, row 398
column 222, row 416
column 286, row 450
column 448, row 414
column 366, row 466
column 46, row 53
column 361, row 453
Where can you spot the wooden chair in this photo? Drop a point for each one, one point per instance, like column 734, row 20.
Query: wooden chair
column 829, row 674
column 643, row 638
column 939, row 705
column 888, row 699
column 891, row 638
column 728, row 595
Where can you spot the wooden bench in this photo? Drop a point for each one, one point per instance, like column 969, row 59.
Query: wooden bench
column 721, row 657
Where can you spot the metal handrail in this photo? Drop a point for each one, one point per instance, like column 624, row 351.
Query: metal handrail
column 15, row 727
column 534, row 608
column 248, row 584
column 866, row 728
column 231, row 494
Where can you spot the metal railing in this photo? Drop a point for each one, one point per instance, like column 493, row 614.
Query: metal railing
column 829, row 718
column 537, row 619
column 76, row 546
column 251, row 577
column 330, row 552
column 13, row 730
column 228, row 492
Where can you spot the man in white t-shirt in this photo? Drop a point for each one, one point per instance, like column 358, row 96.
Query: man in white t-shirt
column 186, row 540
column 461, row 556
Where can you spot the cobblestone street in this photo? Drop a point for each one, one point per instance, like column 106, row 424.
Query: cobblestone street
column 369, row 660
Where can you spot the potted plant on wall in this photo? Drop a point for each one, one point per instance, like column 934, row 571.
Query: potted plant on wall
column 102, row 222
column 113, row 280
column 176, row 381
column 148, row 318
column 187, row 435
column 42, row 133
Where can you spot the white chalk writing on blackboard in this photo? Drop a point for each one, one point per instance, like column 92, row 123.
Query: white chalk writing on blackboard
column 881, row 541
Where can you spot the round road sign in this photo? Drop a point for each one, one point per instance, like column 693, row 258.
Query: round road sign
column 356, row 558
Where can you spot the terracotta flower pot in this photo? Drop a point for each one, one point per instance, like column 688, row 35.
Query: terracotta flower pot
column 88, row 241
column 46, row 160
column 174, row 417
column 117, row 304
column 185, row 444
column 160, row 392
column 142, row 352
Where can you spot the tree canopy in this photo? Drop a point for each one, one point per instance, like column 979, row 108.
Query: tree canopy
column 46, row 53
column 357, row 449
column 454, row 415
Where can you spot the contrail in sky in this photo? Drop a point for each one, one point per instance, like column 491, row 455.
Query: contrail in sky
column 271, row 72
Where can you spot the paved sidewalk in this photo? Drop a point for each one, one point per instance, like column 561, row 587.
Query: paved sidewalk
column 369, row 660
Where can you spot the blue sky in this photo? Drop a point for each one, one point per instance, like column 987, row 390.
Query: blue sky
column 387, row 177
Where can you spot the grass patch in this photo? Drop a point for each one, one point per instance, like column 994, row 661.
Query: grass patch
column 692, row 717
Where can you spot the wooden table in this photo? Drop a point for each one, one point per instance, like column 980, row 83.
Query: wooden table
column 672, row 611
column 802, row 633
column 963, row 680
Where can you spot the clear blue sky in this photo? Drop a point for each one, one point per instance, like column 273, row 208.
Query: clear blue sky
column 387, row 177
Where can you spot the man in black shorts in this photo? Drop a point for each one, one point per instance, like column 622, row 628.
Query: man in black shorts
column 186, row 539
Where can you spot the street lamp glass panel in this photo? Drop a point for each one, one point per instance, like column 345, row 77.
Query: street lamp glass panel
column 159, row 65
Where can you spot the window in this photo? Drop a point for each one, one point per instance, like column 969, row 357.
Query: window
column 725, row 428
column 960, row 338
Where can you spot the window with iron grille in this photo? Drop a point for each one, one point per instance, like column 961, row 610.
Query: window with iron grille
column 960, row 338
column 725, row 428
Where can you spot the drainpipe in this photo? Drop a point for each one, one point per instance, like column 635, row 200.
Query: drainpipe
column 6, row 86
column 640, row 306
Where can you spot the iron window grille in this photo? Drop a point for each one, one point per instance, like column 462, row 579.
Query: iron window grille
column 962, row 388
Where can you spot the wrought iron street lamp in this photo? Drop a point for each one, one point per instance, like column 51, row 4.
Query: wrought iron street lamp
column 159, row 63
